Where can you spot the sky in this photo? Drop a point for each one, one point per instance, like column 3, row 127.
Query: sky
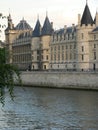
column 60, row 12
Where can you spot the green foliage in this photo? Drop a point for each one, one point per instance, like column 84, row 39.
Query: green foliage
column 8, row 75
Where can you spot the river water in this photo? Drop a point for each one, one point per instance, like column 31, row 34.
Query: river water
column 50, row 109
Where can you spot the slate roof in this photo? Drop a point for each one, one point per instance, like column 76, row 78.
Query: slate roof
column 23, row 25
column 86, row 17
column 96, row 29
column 37, row 31
column 68, row 30
column 47, row 28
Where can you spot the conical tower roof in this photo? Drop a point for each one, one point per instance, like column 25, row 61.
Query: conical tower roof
column 37, row 31
column 47, row 28
column 86, row 17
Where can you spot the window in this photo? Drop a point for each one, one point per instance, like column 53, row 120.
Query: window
column 37, row 57
column 62, row 56
column 94, row 45
column 94, row 55
column 58, row 47
column 58, row 57
column 55, row 48
column 42, row 57
column 62, row 47
column 75, row 46
column 51, row 57
column 54, row 57
column 82, row 57
column 37, row 51
column 94, row 37
column 68, row 36
column 64, row 36
column 47, row 57
column 70, row 56
column 66, row 56
column 72, row 35
column 44, row 66
column 70, row 46
column 82, row 48
column 66, row 47
column 74, row 56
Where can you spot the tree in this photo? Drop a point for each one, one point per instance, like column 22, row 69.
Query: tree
column 8, row 75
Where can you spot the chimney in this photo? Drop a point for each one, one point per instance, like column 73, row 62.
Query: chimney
column 65, row 27
column 73, row 26
column 96, row 19
column 79, row 19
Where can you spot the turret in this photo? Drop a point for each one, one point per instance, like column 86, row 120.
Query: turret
column 10, row 24
column 35, row 47
column 46, row 33
column 85, row 25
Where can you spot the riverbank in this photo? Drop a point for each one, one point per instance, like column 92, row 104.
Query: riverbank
column 73, row 80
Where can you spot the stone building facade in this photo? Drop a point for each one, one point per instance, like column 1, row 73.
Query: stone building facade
column 69, row 48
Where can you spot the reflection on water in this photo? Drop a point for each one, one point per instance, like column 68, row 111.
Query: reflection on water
column 50, row 109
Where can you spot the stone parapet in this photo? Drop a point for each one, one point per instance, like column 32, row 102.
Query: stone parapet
column 73, row 80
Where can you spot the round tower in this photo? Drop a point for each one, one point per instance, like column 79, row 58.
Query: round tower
column 35, row 47
column 45, row 43
column 85, row 25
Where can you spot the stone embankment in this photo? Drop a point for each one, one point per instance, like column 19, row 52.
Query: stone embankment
column 75, row 80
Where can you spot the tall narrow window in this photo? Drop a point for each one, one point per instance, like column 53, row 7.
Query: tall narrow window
column 47, row 57
column 64, row 36
column 68, row 36
column 82, row 48
column 82, row 57
column 72, row 35
column 94, row 45
column 94, row 55
column 94, row 37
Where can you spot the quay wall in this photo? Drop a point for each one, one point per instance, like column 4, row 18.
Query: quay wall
column 75, row 80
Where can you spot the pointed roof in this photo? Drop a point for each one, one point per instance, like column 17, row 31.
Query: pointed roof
column 47, row 28
column 95, row 17
column 86, row 17
column 36, row 32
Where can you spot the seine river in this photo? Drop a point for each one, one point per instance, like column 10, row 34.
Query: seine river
column 50, row 109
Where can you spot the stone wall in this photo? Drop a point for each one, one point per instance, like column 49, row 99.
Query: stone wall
column 79, row 80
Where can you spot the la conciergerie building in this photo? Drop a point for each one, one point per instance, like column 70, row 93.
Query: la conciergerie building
column 67, row 49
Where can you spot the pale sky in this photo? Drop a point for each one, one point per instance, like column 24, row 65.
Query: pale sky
column 60, row 12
